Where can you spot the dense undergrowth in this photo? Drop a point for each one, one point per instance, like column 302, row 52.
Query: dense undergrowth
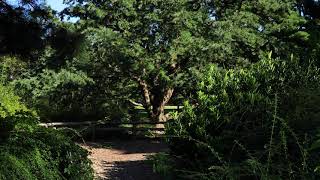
column 29, row 152
column 254, row 123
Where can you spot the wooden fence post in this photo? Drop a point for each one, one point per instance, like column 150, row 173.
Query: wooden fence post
column 93, row 127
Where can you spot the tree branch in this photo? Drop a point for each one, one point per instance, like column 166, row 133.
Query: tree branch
column 167, row 95
column 135, row 103
column 146, row 94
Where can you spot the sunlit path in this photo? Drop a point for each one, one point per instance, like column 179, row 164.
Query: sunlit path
column 124, row 160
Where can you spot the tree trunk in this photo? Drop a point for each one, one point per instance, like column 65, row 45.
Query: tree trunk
column 158, row 113
column 154, row 103
column 146, row 96
column 158, row 105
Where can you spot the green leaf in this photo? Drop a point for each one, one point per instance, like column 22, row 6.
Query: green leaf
column 315, row 145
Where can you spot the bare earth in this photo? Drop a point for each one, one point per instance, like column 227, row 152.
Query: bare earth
column 124, row 160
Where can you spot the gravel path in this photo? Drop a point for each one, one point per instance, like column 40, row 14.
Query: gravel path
column 124, row 160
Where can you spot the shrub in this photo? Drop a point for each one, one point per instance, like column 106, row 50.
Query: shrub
column 162, row 164
column 12, row 112
column 48, row 154
column 9, row 102
column 28, row 151
column 246, row 123
column 26, row 165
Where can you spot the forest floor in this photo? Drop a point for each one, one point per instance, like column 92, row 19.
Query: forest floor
column 124, row 160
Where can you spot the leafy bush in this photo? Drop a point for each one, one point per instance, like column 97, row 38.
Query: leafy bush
column 254, row 123
column 9, row 102
column 11, row 68
column 10, row 107
column 28, row 151
column 163, row 164
column 55, row 94
column 30, row 165
column 46, row 154
column 12, row 168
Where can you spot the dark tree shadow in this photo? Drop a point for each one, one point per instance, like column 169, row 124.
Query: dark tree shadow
column 132, row 146
column 131, row 170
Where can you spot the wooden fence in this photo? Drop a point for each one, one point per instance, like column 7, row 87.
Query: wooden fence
column 148, row 129
column 132, row 127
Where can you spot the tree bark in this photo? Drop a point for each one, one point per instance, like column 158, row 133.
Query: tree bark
column 155, row 107
column 159, row 104
column 158, row 111
column 146, row 96
column 155, row 103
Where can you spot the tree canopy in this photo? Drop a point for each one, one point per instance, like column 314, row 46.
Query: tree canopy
column 156, row 43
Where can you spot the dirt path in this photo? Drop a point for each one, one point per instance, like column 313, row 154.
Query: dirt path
column 124, row 160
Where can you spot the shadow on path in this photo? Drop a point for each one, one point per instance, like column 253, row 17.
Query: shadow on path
column 131, row 170
column 124, row 160
column 131, row 146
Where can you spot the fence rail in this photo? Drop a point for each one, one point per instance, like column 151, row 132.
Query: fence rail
column 144, row 128
column 133, row 127
column 94, row 123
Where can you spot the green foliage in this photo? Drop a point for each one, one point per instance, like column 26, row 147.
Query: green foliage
column 12, row 168
column 49, row 153
column 10, row 68
column 156, row 43
column 28, row 151
column 54, row 93
column 9, row 102
column 245, row 116
column 138, row 43
column 45, row 83
column 23, row 28
column 163, row 164
column 245, row 123
column 29, row 166
column 43, row 154
column 13, row 114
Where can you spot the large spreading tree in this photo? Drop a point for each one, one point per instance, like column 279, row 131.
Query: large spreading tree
column 155, row 43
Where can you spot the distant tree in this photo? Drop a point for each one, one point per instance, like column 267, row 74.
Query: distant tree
column 311, row 8
column 20, row 32
column 28, row 27
column 35, row 46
